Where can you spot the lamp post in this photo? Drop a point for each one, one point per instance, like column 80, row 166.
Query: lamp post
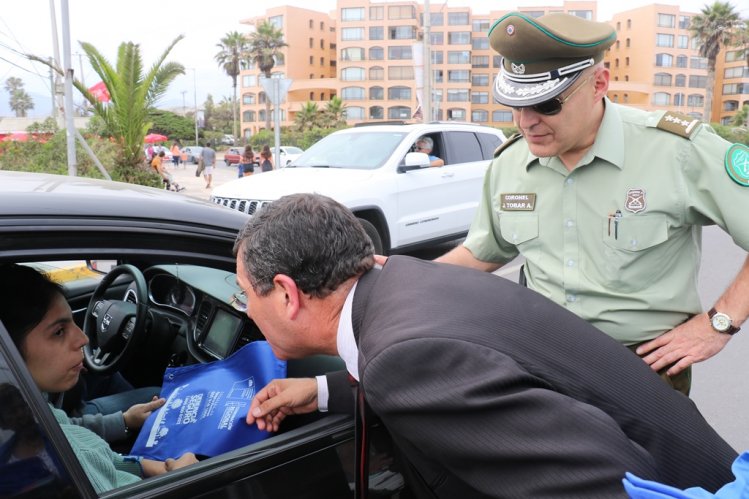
column 195, row 95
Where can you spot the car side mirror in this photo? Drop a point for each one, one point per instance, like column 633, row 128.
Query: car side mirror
column 414, row 161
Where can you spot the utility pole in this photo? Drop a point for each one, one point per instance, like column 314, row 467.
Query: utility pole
column 195, row 95
column 69, row 124
column 184, row 109
column 52, row 86
column 427, row 65
column 57, row 86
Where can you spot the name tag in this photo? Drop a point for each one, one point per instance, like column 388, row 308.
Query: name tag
column 517, row 202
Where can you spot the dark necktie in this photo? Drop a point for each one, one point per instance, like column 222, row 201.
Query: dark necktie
column 361, row 462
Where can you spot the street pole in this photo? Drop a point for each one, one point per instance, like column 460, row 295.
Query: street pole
column 427, row 65
column 69, row 124
column 195, row 95
column 277, row 121
column 183, row 103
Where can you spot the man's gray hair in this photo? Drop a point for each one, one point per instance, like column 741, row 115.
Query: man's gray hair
column 427, row 141
column 311, row 238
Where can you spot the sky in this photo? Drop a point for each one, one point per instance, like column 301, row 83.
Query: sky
column 27, row 27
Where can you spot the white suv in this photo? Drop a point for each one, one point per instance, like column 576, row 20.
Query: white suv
column 400, row 200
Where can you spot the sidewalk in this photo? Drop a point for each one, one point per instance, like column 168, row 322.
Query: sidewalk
column 184, row 175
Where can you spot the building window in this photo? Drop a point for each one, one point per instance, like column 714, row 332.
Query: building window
column 626, row 61
column 616, row 62
column 678, row 99
column 502, row 116
column 615, row 98
column 480, row 61
column 376, row 33
column 680, row 80
column 438, row 75
column 697, row 81
column 352, row 93
column 261, row 115
column 628, row 42
column 459, row 38
column 735, row 88
column 664, row 60
column 401, row 12
column 376, row 53
column 376, row 93
column 311, row 24
column 402, row 33
column 480, row 26
column 661, row 99
column 696, row 100
column 666, row 20
column 276, row 22
column 311, row 60
column 352, row 74
column 377, row 13
column 438, row 57
column 322, row 26
column 480, row 80
column 480, row 97
column 480, row 43
column 352, row 14
column 457, row 95
column 312, row 96
column 349, row 34
column 459, row 75
column 376, row 73
column 437, row 38
column 311, row 42
column 664, row 40
column 734, row 55
column 496, row 61
column 401, row 72
column 322, row 42
column 399, row 93
column 248, row 116
column 585, row 14
column 399, row 113
column 458, row 56
column 682, row 42
column 456, row 114
column 684, row 22
column 248, row 99
column 629, row 26
column 682, row 61
column 736, row 72
column 698, row 62
column 479, row 116
column 352, row 54
column 249, row 81
column 399, row 52
column 376, row 113
column 730, row 105
column 354, row 113
column 662, row 80
column 457, row 18
column 618, row 25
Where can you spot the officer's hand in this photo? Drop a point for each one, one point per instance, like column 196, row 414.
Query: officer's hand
column 380, row 259
column 280, row 398
column 137, row 414
column 690, row 342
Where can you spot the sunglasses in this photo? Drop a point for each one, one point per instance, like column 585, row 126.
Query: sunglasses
column 553, row 106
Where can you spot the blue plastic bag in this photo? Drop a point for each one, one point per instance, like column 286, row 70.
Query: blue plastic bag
column 206, row 405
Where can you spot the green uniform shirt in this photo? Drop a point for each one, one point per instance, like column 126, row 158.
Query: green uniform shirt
column 617, row 241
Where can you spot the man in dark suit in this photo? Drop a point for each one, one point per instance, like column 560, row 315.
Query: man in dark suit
column 488, row 389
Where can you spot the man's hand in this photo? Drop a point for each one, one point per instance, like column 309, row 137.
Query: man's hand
column 690, row 342
column 280, row 398
column 137, row 414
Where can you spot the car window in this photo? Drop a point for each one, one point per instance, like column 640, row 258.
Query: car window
column 464, row 147
column 360, row 151
column 293, row 150
column 489, row 144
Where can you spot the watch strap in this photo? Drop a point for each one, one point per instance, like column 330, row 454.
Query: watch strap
column 731, row 329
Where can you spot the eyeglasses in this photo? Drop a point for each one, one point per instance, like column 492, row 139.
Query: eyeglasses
column 553, row 106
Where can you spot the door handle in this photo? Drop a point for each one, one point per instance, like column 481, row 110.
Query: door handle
column 448, row 174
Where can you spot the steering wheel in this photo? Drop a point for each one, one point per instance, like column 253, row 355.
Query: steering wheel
column 113, row 327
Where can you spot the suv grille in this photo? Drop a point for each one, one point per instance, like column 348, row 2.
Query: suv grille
column 249, row 206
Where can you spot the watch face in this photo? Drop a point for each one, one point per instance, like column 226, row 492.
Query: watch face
column 721, row 322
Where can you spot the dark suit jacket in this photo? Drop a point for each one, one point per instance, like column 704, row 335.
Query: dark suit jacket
column 491, row 390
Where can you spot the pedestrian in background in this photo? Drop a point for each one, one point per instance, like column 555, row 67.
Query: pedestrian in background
column 246, row 165
column 266, row 159
column 209, row 161
column 176, row 154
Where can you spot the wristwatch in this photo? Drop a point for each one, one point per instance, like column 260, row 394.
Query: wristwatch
column 721, row 322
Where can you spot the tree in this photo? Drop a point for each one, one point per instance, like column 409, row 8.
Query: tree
column 134, row 92
column 265, row 47
column 233, row 47
column 20, row 101
column 715, row 27
column 308, row 117
column 335, row 113
column 742, row 117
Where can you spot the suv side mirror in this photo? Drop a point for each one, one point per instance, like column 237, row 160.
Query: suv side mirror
column 414, row 161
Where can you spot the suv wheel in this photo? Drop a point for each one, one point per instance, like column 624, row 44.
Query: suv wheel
column 373, row 235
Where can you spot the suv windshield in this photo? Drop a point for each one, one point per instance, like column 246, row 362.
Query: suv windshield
column 361, row 150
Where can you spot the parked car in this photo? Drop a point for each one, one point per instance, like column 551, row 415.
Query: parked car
column 180, row 250
column 289, row 154
column 233, row 155
column 401, row 202
column 190, row 154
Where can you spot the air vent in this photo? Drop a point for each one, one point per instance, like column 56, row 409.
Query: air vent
column 131, row 297
column 204, row 312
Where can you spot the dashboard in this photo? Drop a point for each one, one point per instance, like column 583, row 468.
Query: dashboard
column 205, row 299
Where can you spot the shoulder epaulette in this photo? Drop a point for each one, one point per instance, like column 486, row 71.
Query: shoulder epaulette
column 679, row 124
column 507, row 143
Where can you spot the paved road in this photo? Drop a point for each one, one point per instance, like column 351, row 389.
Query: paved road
column 195, row 186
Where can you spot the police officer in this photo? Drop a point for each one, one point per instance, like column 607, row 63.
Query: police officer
column 606, row 202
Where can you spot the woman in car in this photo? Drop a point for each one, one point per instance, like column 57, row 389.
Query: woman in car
column 40, row 322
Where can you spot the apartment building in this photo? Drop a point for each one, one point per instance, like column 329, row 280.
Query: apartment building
column 368, row 53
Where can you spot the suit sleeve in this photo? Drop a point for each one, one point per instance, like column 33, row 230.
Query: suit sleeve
column 340, row 394
column 467, row 414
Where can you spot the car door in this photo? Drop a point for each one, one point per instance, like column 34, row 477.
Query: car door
column 439, row 202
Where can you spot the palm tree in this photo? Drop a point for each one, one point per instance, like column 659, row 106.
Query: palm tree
column 308, row 117
column 335, row 112
column 233, row 47
column 715, row 27
column 133, row 92
column 20, row 101
column 265, row 46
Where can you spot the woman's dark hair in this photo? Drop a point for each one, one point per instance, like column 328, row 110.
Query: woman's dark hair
column 25, row 297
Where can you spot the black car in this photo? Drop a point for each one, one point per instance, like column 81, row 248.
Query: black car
column 76, row 230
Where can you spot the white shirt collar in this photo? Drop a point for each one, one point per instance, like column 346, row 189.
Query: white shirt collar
column 345, row 342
